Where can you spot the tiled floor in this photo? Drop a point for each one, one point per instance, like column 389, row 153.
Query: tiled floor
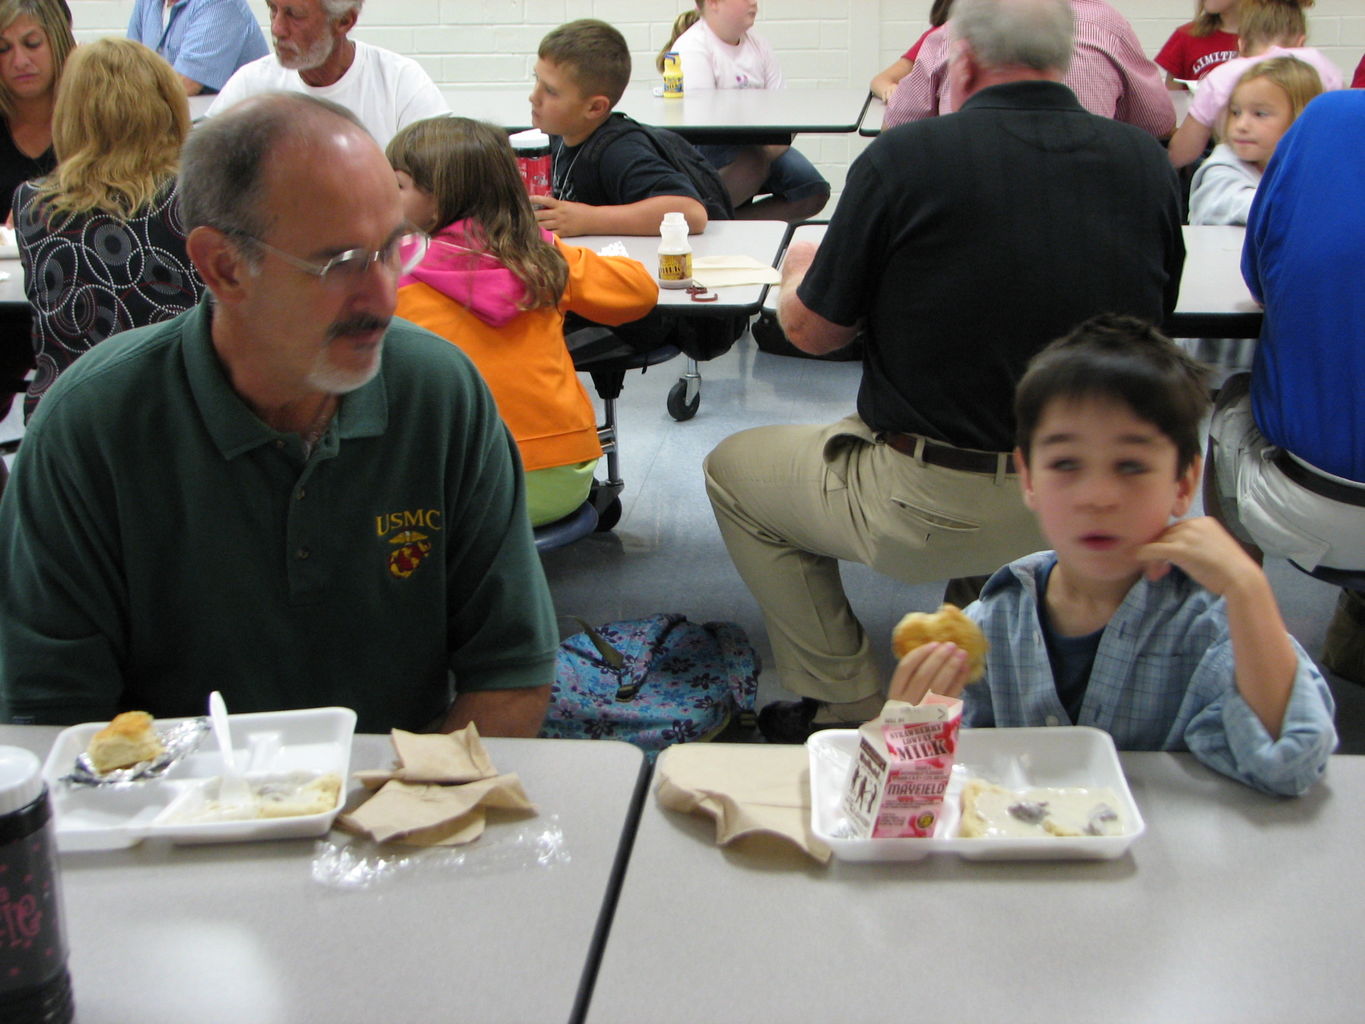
column 666, row 554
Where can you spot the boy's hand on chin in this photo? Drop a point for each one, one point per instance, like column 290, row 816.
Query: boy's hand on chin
column 1204, row 549
column 561, row 216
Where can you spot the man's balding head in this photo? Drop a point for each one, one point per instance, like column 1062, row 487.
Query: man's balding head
column 223, row 165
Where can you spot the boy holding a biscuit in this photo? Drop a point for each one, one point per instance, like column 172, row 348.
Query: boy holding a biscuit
column 1164, row 634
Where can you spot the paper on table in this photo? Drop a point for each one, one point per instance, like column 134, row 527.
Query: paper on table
column 436, row 794
column 432, row 815
column 446, row 758
column 723, row 271
column 746, row 788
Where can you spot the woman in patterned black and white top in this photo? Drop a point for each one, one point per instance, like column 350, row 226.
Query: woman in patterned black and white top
column 101, row 238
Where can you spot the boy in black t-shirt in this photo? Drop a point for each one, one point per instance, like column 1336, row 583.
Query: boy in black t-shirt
column 626, row 187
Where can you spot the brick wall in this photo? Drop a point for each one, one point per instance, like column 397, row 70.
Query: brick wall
column 478, row 43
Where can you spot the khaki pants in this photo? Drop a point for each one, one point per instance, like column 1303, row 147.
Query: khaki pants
column 791, row 501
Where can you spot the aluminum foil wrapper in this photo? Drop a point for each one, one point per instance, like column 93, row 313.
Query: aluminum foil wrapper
column 180, row 740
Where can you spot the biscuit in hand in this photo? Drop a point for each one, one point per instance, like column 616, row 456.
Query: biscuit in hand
column 947, row 624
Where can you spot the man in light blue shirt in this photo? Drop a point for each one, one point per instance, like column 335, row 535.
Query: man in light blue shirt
column 204, row 40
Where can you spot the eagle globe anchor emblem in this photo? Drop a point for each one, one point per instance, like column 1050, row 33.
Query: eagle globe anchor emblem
column 410, row 548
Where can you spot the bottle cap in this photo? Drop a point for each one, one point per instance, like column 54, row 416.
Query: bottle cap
column 532, row 138
column 21, row 778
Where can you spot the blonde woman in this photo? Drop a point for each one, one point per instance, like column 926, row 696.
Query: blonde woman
column 35, row 41
column 101, row 238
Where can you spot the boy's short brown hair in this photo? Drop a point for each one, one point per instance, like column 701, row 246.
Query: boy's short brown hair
column 593, row 54
column 1120, row 359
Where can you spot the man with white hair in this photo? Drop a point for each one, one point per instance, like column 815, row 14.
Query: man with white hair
column 314, row 55
column 1109, row 73
column 961, row 245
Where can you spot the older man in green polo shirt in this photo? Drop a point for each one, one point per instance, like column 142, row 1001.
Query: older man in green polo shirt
column 281, row 494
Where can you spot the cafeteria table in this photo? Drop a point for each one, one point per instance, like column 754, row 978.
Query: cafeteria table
column 710, row 115
column 231, row 933
column 760, row 239
column 1214, row 301
column 870, row 124
column 1233, row 906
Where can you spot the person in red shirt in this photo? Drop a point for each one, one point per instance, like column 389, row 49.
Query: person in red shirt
column 1358, row 80
column 1199, row 46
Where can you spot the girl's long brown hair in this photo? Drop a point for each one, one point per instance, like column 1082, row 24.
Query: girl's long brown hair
column 470, row 170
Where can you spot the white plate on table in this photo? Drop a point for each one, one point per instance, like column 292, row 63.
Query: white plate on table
column 312, row 740
column 1013, row 758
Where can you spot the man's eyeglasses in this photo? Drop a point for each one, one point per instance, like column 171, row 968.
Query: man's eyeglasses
column 399, row 256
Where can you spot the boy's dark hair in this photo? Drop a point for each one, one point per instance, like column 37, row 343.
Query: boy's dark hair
column 594, row 55
column 1122, row 359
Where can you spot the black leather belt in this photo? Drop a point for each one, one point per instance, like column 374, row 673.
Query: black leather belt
column 945, row 456
column 1324, row 486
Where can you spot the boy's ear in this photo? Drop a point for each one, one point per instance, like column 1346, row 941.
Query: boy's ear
column 598, row 107
column 1187, row 486
column 1025, row 477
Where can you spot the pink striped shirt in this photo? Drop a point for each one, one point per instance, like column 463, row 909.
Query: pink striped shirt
column 1109, row 74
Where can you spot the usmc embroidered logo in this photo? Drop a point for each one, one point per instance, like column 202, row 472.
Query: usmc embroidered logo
column 410, row 548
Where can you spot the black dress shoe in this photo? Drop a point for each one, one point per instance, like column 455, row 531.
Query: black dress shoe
column 793, row 721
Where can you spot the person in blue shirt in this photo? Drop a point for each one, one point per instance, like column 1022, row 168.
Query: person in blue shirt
column 1164, row 634
column 205, row 41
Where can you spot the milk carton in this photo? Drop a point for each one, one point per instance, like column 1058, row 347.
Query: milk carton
column 905, row 759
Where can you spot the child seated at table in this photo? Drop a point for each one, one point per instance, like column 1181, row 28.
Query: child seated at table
column 1269, row 28
column 1264, row 104
column 884, row 82
column 1166, row 635
column 720, row 50
column 498, row 286
column 624, row 187
column 1199, row 46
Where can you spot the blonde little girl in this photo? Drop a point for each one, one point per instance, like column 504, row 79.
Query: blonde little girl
column 1264, row 104
column 719, row 51
column 497, row 285
column 1269, row 28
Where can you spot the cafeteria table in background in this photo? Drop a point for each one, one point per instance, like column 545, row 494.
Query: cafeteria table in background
column 240, row 932
column 1214, row 301
column 1233, row 906
column 870, row 124
column 703, row 116
column 760, row 240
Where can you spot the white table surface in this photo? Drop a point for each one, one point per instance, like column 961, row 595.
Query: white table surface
column 871, row 122
column 741, row 113
column 760, row 239
column 1233, row 906
column 1210, row 287
column 238, row 933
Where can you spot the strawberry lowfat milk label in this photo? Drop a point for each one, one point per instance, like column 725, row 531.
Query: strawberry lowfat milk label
column 905, row 760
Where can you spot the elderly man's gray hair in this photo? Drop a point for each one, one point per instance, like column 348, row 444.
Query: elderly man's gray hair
column 340, row 8
column 222, row 165
column 1034, row 34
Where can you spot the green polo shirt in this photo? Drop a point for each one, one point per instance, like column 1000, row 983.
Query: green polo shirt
column 159, row 541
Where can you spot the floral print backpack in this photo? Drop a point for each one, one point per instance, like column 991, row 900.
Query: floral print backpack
column 653, row 682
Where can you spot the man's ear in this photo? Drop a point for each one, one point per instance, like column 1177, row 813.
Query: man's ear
column 347, row 21
column 219, row 262
column 1187, row 486
column 1025, row 477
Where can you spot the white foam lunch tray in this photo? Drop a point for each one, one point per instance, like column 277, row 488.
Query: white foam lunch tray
column 1013, row 758
column 268, row 743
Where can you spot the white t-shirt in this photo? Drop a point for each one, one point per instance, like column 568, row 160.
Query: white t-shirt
column 386, row 90
column 709, row 62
